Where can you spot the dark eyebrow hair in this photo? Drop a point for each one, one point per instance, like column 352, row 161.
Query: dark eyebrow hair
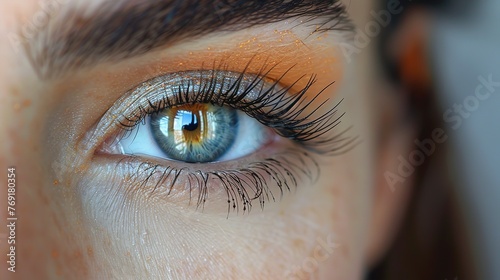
column 129, row 28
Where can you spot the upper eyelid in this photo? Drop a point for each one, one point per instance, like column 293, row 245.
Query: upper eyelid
column 143, row 95
column 290, row 114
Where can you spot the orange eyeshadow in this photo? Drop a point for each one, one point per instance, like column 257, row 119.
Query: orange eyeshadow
column 274, row 55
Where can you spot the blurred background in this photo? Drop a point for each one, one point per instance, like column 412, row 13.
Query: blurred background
column 451, row 65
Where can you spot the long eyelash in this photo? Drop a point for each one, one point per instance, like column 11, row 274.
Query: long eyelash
column 273, row 107
column 290, row 115
column 242, row 186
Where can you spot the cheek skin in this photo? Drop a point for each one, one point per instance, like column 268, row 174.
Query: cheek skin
column 47, row 246
column 137, row 236
column 44, row 248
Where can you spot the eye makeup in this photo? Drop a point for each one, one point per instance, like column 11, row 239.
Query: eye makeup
column 304, row 130
column 266, row 101
column 283, row 84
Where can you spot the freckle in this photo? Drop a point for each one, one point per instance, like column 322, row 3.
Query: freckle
column 298, row 244
column 148, row 258
column 77, row 254
column 55, row 254
column 90, row 251
column 17, row 107
column 128, row 254
column 56, row 182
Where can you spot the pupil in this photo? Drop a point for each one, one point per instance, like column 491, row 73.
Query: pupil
column 193, row 125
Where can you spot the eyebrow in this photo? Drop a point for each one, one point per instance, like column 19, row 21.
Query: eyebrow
column 115, row 31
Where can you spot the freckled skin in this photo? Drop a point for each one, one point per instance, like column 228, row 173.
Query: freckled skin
column 73, row 224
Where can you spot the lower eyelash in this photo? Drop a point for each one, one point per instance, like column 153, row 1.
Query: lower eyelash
column 258, row 181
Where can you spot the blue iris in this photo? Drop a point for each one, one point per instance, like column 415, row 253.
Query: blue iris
column 195, row 133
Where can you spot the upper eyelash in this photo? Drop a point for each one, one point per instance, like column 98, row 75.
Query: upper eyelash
column 273, row 106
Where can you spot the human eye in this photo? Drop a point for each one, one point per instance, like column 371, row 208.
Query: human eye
column 188, row 124
column 195, row 133
column 238, row 137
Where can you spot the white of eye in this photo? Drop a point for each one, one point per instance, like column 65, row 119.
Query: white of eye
column 250, row 137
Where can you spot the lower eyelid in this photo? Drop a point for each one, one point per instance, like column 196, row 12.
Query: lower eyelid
column 254, row 183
